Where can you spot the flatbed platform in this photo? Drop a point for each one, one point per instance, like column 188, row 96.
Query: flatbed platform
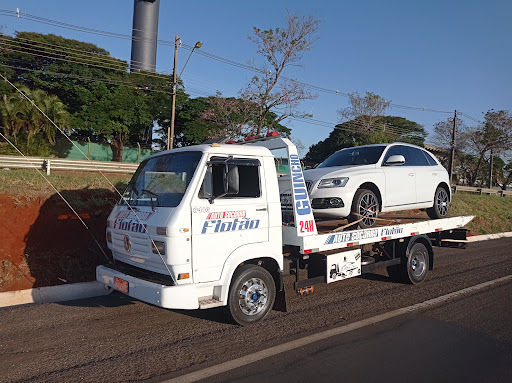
column 384, row 219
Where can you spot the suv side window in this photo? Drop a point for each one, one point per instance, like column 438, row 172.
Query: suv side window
column 399, row 150
column 417, row 157
column 248, row 173
column 430, row 160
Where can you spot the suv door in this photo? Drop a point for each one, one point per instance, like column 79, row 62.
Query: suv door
column 400, row 189
column 231, row 220
column 427, row 177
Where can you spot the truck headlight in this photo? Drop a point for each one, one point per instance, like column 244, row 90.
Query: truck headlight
column 332, row 182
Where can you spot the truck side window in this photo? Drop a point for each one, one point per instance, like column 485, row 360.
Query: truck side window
column 248, row 173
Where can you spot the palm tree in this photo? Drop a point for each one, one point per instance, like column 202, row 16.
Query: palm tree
column 12, row 115
column 21, row 116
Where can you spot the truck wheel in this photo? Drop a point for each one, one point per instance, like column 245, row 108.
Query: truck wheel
column 251, row 295
column 415, row 269
column 441, row 204
column 364, row 205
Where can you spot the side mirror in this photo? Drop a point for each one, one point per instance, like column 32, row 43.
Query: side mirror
column 208, row 184
column 396, row 159
column 231, row 179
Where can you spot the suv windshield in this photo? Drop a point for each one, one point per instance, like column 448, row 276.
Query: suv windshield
column 162, row 180
column 361, row 155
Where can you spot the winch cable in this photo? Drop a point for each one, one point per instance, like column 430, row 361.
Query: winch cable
column 58, row 192
column 104, row 176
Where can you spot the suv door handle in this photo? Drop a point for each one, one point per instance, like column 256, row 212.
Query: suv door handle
column 411, row 174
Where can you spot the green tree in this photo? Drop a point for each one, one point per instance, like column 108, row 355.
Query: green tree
column 364, row 111
column 349, row 134
column 20, row 117
column 106, row 102
column 493, row 137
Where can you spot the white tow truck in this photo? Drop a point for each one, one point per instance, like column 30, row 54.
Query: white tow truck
column 210, row 225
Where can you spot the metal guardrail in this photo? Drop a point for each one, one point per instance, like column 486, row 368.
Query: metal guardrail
column 470, row 189
column 48, row 164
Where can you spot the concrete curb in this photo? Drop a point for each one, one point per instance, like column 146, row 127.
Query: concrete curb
column 486, row 237
column 83, row 290
column 52, row 294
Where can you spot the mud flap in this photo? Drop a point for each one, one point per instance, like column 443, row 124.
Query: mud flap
column 280, row 301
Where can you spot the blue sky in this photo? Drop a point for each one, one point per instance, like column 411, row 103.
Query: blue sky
column 440, row 55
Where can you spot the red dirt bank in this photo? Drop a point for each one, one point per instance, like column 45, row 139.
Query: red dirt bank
column 42, row 242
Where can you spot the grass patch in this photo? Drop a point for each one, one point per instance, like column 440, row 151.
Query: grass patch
column 27, row 182
column 91, row 191
column 493, row 214
column 25, row 185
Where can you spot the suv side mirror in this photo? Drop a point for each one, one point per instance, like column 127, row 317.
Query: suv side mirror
column 396, row 159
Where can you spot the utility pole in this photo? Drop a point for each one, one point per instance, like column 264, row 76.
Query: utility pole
column 452, row 146
column 490, row 171
column 170, row 131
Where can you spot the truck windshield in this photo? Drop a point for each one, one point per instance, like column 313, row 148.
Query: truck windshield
column 162, row 180
column 360, row 155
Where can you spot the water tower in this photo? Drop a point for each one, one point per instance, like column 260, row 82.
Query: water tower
column 144, row 35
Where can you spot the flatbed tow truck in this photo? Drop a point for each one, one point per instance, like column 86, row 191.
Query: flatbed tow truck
column 211, row 225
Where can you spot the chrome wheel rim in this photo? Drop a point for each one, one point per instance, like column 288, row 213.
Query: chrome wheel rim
column 442, row 202
column 418, row 264
column 253, row 296
column 368, row 209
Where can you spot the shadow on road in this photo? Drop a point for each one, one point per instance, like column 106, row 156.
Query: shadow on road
column 113, row 300
column 378, row 278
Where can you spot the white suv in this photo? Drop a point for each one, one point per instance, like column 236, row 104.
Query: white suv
column 359, row 182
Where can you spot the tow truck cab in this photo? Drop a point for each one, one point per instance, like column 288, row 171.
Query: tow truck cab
column 188, row 218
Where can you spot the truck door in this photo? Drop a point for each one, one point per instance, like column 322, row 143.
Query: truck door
column 232, row 219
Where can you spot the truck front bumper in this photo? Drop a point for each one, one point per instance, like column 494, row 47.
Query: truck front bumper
column 172, row 297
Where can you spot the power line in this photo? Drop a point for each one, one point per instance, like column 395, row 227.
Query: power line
column 70, row 50
column 201, row 52
column 92, row 79
column 88, row 63
column 469, row 117
column 355, row 126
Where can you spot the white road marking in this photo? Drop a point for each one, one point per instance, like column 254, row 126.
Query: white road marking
column 255, row 357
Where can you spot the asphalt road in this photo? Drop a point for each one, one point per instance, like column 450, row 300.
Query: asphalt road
column 115, row 338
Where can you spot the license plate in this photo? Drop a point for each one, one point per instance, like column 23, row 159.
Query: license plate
column 121, row 285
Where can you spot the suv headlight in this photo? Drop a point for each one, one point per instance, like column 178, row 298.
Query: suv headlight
column 332, row 182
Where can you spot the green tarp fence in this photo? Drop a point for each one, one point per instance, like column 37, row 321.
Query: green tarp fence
column 97, row 152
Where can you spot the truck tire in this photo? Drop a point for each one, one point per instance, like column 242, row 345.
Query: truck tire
column 441, row 204
column 365, row 203
column 251, row 295
column 414, row 270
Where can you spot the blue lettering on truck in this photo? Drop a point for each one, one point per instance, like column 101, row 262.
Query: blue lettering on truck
column 300, row 194
column 129, row 225
column 222, row 225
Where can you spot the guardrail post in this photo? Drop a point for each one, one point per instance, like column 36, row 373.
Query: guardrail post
column 48, row 167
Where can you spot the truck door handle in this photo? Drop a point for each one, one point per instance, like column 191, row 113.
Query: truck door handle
column 262, row 209
column 411, row 174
